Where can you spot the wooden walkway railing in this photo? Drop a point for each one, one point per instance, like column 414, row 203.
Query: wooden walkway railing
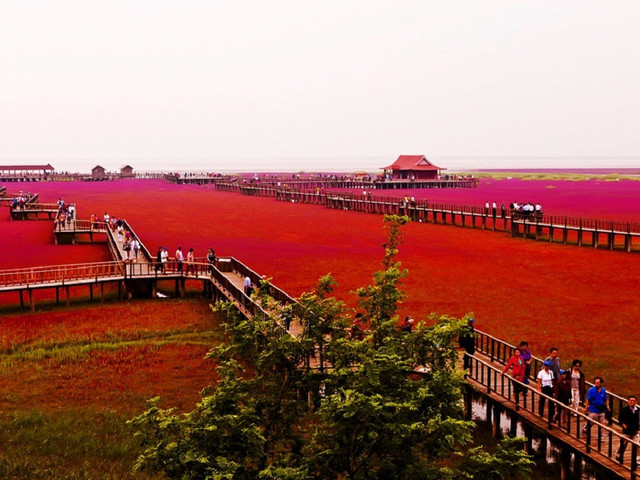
column 499, row 351
column 537, row 226
column 35, row 277
column 595, row 440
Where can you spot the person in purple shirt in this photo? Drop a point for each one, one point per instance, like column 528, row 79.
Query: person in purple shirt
column 525, row 355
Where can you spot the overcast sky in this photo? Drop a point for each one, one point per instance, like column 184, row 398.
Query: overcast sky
column 120, row 80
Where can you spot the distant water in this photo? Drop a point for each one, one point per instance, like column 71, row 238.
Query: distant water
column 328, row 164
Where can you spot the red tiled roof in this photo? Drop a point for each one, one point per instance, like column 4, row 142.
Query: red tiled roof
column 26, row 167
column 413, row 162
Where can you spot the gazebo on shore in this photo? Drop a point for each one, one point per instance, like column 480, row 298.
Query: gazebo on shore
column 412, row 167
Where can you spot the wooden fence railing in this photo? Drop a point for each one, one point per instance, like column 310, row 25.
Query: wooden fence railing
column 500, row 351
column 592, row 435
column 58, row 273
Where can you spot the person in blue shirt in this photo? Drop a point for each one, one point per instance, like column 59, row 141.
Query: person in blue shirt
column 596, row 403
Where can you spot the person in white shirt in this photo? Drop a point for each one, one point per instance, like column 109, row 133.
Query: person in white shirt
column 247, row 285
column 179, row 260
column 164, row 258
column 545, row 386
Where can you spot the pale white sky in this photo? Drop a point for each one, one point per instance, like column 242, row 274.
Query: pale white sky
column 86, row 81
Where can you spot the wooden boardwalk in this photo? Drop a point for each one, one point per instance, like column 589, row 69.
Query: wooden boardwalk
column 598, row 443
column 225, row 280
column 612, row 235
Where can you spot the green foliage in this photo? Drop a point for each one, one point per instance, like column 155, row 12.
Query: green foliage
column 324, row 403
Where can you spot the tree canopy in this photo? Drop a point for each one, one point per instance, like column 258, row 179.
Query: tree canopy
column 348, row 398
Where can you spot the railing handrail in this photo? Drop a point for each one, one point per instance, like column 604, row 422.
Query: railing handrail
column 558, row 406
column 533, row 357
column 577, row 222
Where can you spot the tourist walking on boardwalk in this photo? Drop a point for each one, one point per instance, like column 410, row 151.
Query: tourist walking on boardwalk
column 545, row 385
column 525, row 354
column 630, row 421
column 159, row 266
column 190, row 261
column 211, row 260
column 135, row 246
column 563, row 395
column 467, row 340
column 554, row 358
column 179, row 260
column 126, row 246
column 517, row 366
column 247, row 287
column 596, row 403
column 578, row 384
column 164, row 258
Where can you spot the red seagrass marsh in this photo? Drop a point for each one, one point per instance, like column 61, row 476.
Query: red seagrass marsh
column 113, row 357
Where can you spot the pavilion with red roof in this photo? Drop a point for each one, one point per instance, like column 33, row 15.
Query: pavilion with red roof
column 412, row 167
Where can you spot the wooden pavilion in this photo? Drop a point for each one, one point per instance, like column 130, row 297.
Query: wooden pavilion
column 412, row 167
column 25, row 170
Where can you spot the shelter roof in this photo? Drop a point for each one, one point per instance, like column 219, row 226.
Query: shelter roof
column 413, row 162
column 26, row 167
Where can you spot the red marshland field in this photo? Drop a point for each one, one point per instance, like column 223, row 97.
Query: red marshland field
column 583, row 300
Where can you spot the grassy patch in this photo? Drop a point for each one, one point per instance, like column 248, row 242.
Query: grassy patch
column 67, row 445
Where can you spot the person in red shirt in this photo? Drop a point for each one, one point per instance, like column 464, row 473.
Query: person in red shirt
column 518, row 368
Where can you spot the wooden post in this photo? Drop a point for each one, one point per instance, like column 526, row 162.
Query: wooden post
column 21, row 299
column 496, row 432
column 468, row 401
column 90, row 291
column 102, row 293
column 513, row 430
column 565, row 463
column 577, row 465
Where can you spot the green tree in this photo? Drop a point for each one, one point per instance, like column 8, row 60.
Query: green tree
column 327, row 404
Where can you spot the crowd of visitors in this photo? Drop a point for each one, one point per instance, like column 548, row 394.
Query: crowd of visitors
column 179, row 262
column 515, row 208
column 568, row 387
column 19, row 200
column 65, row 214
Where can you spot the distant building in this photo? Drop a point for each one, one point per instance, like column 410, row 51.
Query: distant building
column 408, row 167
column 126, row 171
column 14, row 170
column 98, row 172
